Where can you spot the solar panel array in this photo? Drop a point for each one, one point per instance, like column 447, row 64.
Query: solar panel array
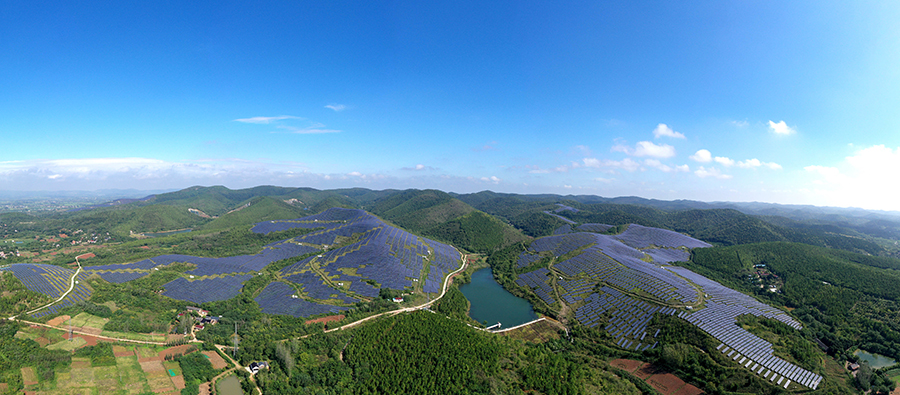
column 616, row 262
column 608, row 260
column 49, row 280
column 79, row 293
column 276, row 298
column 563, row 207
column 630, row 316
column 563, row 230
column 205, row 290
column 52, row 281
column 387, row 255
column 561, row 245
column 668, row 255
column 316, row 289
column 537, row 282
column 639, row 236
column 560, row 217
column 596, row 228
column 526, row 259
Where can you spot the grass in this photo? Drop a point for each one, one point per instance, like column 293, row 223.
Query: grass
column 67, row 345
column 89, row 321
column 538, row 332
column 135, row 336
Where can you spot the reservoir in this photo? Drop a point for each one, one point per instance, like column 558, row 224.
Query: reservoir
column 229, row 386
column 492, row 303
column 876, row 361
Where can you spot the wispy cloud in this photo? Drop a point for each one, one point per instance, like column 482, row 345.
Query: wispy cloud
column 490, row 146
column 337, row 107
column 491, row 179
column 704, row 156
column 656, row 164
column 781, row 128
column 713, row 172
column 724, row 161
column 741, row 124
column 646, row 148
column 418, row 167
column 663, row 130
column 625, row 164
column 265, row 120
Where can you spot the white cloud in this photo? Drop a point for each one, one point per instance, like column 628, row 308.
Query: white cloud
column 337, row 107
column 656, row 164
column 702, row 156
column 418, row 167
column 863, row 179
column 780, row 128
column 625, row 164
column 492, row 179
column 647, row 148
column 754, row 163
column 740, row 124
column 724, row 161
column 713, row 172
column 664, row 130
column 265, row 120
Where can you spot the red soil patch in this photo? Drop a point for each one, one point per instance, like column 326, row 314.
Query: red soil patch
column 666, row 383
column 58, row 320
column 43, row 341
column 120, row 351
column 628, row 365
column 178, row 382
column 176, row 350
column 86, row 256
column 215, row 359
column 689, row 390
column 145, row 247
column 89, row 340
column 645, row 371
column 660, row 380
column 326, row 320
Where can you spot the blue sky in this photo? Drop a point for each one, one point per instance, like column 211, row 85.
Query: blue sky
column 707, row 100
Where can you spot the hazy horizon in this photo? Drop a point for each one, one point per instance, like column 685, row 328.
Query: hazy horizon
column 709, row 101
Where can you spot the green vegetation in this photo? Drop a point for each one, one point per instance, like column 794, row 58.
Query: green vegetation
column 454, row 304
column 425, row 353
column 196, row 369
column 15, row 298
column 100, row 355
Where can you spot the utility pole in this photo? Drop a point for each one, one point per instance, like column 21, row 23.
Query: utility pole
column 235, row 340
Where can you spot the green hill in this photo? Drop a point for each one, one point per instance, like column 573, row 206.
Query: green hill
column 420, row 210
column 441, row 216
column 258, row 209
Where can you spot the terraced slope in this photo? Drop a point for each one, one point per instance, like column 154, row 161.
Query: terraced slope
column 358, row 254
column 618, row 282
column 52, row 281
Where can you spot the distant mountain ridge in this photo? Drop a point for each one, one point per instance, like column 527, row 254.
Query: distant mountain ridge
column 487, row 220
